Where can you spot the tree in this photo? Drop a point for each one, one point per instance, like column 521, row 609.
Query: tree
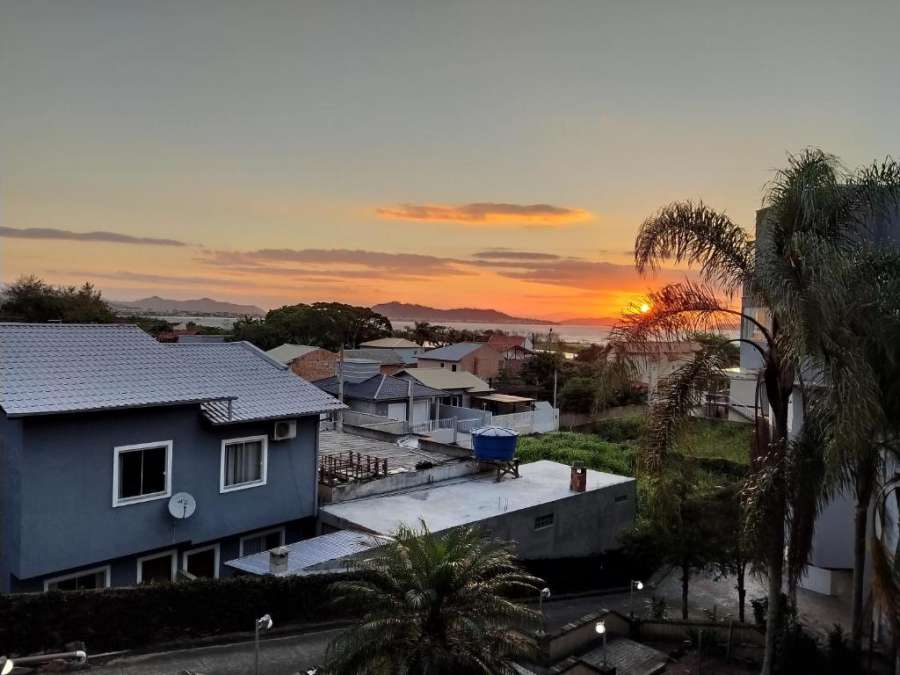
column 31, row 299
column 437, row 604
column 330, row 325
column 811, row 199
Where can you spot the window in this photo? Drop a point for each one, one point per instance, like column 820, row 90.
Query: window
column 243, row 463
column 442, row 364
column 80, row 581
column 142, row 472
column 203, row 562
column 543, row 521
column 157, row 568
column 263, row 541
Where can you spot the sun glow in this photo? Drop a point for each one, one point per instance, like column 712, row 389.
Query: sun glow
column 644, row 308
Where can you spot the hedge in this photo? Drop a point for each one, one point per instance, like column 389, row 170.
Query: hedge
column 129, row 618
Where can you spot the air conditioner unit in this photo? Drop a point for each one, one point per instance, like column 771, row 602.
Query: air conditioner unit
column 284, row 430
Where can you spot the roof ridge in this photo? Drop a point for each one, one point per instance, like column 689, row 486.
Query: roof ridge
column 253, row 349
column 380, row 385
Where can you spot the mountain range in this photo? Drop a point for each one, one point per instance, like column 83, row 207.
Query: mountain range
column 157, row 305
column 402, row 311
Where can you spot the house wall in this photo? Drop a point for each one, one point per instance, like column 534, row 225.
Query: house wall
column 483, row 362
column 67, row 519
column 315, row 365
column 10, row 496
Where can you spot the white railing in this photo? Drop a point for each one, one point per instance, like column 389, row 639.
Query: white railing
column 430, row 426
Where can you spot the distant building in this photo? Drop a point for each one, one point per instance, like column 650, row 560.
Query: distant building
column 309, row 362
column 369, row 391
column 655, row 361
column 103, row 432
column 477, row 358
column 514, row 350
column 459, row 385
column 407, row 349
column 389, row 360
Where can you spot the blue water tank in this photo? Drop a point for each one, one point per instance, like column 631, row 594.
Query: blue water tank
column 494, row 443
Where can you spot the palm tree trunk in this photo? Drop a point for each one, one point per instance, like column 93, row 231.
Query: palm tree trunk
column 865, row 479
column 742, row 591
column 685, row 583
column 775, row 570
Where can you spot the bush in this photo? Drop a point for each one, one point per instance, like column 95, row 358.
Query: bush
column 620, row 429
column 127, row 618
column 570, row 447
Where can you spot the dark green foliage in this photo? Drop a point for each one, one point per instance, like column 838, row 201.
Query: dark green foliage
column 330, row 325
column 620, row 429
column 129, row 618
column 31, row 299
column 436, row 604
column 570, row 447
column 577, row 395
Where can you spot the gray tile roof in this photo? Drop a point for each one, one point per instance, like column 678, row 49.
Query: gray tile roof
column 64, row 368
column 310, row 556
column 454, row 352
column 265, row 389
column 379, row 388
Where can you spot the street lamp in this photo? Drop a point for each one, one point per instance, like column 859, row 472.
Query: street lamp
column 600, row 627
column 6, row 665
column 545, row 595
column 634, row 586
column 263, row 623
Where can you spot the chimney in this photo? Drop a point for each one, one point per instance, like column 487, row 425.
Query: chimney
column 278, row 560
column 578, row 480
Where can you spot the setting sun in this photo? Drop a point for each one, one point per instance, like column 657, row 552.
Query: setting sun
column 644, row 308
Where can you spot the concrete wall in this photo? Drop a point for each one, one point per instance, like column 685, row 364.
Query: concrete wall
column 67, row 519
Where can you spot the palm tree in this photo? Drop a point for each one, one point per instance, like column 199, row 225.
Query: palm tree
column 436, row 603
column 813, row 215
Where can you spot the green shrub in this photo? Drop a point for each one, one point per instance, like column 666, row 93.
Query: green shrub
column 620, row 429
column 569, row 447
column 127, row 618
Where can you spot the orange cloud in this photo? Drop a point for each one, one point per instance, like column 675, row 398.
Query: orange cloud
column 486, row 214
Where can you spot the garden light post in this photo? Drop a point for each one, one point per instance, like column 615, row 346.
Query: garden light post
column 545, row 595
column 6, row 665
column 600, row 627
column 634, row 586
column 263, row 623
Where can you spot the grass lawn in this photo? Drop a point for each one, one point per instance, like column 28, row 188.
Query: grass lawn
column 614, row 442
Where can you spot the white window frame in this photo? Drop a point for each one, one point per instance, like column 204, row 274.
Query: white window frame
column 173, row 554
column 552, row 523
column 121, row 449
column 106, row 569
column 263, row 469
column 202, row 549
column 281, row 529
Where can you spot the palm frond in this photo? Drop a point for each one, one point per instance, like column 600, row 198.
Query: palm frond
column 698, row 235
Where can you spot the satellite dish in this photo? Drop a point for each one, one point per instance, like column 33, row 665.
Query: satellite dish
column 182, row 505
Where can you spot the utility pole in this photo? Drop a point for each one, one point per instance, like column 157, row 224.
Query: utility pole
column 340, row 415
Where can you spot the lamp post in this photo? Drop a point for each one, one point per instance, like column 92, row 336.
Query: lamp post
column 545, row 595
column 634, row 586
column 600, row 627
column 263, row 623
column 6, row 665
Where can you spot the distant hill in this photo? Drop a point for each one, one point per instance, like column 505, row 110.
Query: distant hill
column 157, row 305
column 402, row 311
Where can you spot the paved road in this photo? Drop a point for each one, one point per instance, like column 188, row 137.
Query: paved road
column 278, row 656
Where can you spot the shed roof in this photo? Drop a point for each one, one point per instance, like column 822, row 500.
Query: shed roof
column 391, row 343
column 63, row 368
column 317, row 555
column 466, row 500
column 454, row 352
column 441, row 378
column 288, row 352
column 379, row 388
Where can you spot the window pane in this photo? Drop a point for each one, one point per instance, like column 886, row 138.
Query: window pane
column 156, row 570
column 130, row 474
column 273, row 540
column 243, row 462
column 254, row 545
column 154, row 470
column 202, row 564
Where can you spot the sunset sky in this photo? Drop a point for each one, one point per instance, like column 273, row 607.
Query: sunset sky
column 487, row 153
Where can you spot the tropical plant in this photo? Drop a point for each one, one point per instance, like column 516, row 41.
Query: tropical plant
column 437, row 604
column 814, row 212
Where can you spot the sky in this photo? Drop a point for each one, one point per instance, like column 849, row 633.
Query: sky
column 449, row 153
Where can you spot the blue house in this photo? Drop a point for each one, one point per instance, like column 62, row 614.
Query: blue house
column 125, row 461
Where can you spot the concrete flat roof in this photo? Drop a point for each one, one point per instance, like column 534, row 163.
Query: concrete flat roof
column 465, row 500
column 399, row 458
